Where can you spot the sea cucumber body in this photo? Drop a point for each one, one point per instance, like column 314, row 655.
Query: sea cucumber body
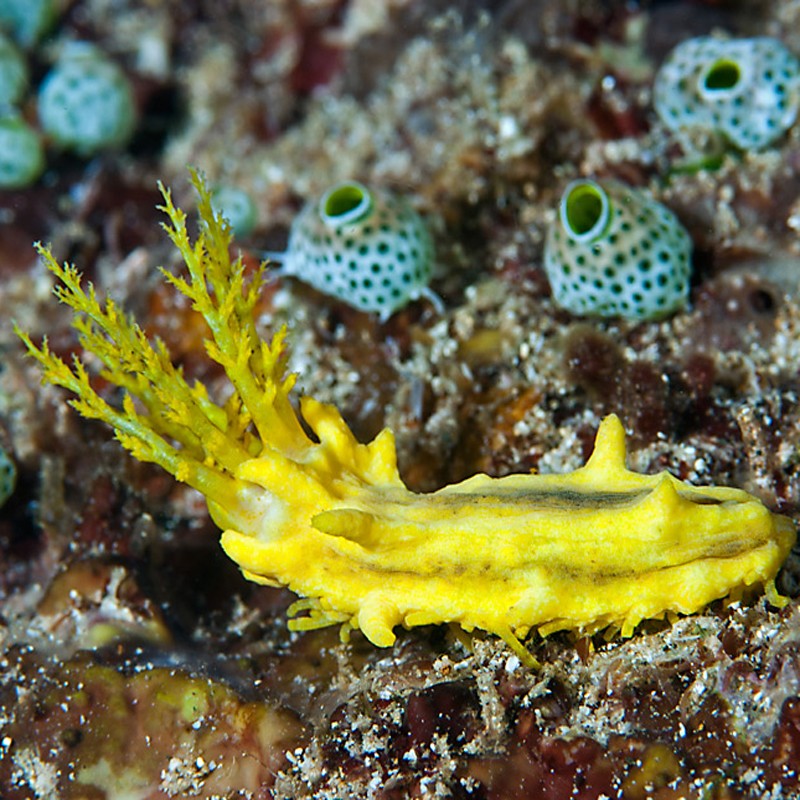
column 596, row 547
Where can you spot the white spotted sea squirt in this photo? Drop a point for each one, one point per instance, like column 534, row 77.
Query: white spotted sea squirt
column 747, row 90
column 371, row 250
column 614, row 251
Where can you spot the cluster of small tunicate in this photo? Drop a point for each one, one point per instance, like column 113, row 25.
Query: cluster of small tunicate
column 84, row 104
column 614, row 251
column 746, row 90
column 369, row 249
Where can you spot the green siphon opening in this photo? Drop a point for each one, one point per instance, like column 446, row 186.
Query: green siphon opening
column 585, row 209
column 722, row 75
column 346, row 203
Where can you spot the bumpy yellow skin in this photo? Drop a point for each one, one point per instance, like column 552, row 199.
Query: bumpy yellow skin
column 601, row 547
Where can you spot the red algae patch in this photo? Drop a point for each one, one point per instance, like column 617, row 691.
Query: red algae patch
column 86, row 730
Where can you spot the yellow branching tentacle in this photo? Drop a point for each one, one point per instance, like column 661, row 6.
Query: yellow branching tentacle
column 217, row 290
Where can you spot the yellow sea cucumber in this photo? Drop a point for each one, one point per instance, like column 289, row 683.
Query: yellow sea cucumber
column 331, row 519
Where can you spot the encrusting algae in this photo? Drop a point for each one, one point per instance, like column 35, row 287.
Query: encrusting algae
column 330, row 518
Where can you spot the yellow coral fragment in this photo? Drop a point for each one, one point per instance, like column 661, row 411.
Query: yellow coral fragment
column 332, row 520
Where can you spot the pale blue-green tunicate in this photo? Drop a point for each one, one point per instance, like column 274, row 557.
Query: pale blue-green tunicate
column 237, row 207
column 86, row 102
column 27, row 20
column 13, row 74
column 21, row 153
